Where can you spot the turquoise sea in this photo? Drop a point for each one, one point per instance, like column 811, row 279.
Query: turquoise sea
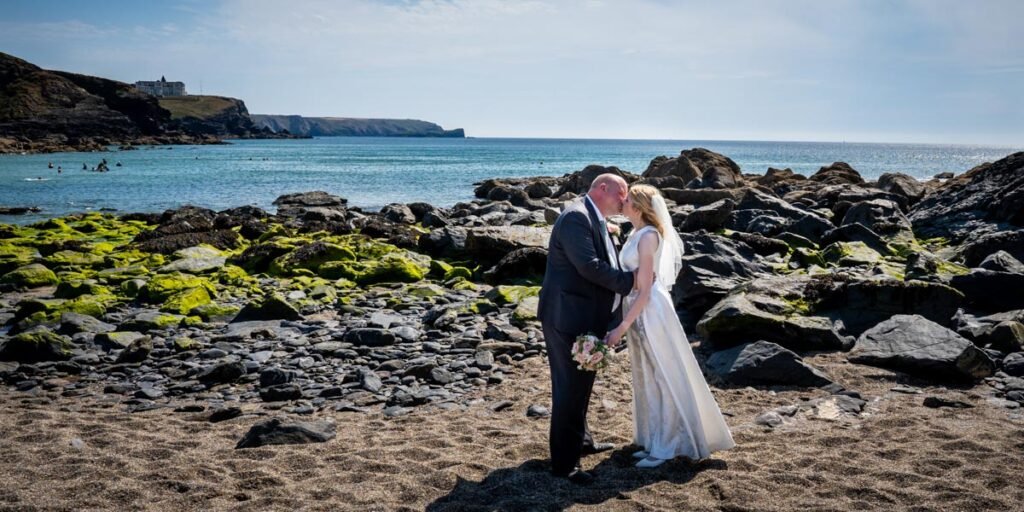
column 371, row 172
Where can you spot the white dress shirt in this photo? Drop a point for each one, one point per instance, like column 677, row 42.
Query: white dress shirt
column 612, row 257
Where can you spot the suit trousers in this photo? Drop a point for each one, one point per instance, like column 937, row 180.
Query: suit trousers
column 570, row 398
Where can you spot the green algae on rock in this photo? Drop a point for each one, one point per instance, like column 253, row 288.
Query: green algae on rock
column 33, row 275
column 36, row 346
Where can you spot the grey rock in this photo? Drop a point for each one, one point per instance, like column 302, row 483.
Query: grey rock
column 916, row 345
column 73, row 323
column 764, row 362
column 369, row 337
column 281, row 431
column 281, row 393
column 222, row 373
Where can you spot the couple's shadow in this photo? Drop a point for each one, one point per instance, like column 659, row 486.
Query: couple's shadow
column 530, row 486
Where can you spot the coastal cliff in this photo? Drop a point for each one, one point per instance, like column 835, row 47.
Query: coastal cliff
column 215, row 115
column 353, row 127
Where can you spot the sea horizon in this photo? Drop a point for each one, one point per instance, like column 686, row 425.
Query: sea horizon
column 374, row 171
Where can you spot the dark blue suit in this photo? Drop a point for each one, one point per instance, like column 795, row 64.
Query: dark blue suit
column 576, row 298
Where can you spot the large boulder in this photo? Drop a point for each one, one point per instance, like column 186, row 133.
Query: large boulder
column 903, row 185
column 490, row 244
column 712, row 267
column 988, row 198
column 526, row 264
column 317, row 203
column 714, row 170
column 881, row 216
column 773, row 309
column 273, row 307
column 446, row 242
column 579, row 181
column 982, row 246
column 764, row 363
column 989, row 290
column 839, row 173
column 862, row 303
column 186, row 227
column 711, row 217
column 916, row 345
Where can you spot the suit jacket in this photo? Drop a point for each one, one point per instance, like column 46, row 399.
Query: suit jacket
column 579, row 282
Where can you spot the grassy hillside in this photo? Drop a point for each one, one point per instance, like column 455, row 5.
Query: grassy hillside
column 199, row 107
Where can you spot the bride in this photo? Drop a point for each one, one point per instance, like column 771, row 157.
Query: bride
column 674, row 413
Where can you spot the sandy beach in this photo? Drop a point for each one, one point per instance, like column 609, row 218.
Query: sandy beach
column 72, row 454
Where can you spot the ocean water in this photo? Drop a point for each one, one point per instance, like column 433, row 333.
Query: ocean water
column 371, row 172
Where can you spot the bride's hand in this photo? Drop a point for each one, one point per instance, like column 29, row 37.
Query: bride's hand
column 614, row 338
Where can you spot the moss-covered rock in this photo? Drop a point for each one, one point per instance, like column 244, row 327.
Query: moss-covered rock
column 507, row 294
column 162, row 286
column 132, row 287
column 456, row 272
column 146, row 321
column 439, row 268
column 310, row 257
column 74, row 259
column 121, row 274
column 32, row 347
column 69, row 289
column 185, row 344
column 850, row 254
column 213, row 312
column 14, row 256
column 393, row 268
column 425, row 290
column 30, row 276
column 185, row 301
column 526, row 311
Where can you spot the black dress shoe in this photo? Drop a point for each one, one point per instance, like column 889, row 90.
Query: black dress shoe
column 580, row 477
column 590, row 449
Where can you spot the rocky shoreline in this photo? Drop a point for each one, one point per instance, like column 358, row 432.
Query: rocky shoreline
column 322, row 306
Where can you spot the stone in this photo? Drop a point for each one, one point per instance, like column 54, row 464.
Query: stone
column 369, row 337
column 225, row 414
column 72, row 323
column 881, row 216
column 35, row 346
column 743, row 317
column 521, row 265
column 273, row 307
column 936, row 402
column 490, row 245
column 274, row 376
column 282, row 431
column 370, row 381
column 988, row 290
column 714, row 170
column 223, row 373
column 399, row 213
column 1013, row 364
column 537, row 411
column 916, row 345
column 33, row 275
column 763, row 362
column 839, row 173
column 975, row 202
column 137, row 352
column 280, row 393
column 117, row 340
column 1006, row 337
column 769, row 419
column 711, row 217
column 1002, row 261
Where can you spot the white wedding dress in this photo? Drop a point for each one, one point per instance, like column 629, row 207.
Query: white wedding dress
column 674, row 412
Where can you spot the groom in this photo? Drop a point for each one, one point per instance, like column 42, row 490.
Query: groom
column 582, row 291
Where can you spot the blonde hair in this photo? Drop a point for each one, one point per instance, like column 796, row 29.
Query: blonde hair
column 642, row 197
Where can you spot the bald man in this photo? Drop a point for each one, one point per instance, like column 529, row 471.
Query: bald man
column 582, row 290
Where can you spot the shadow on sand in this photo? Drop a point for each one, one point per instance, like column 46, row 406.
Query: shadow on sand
column 530, row 486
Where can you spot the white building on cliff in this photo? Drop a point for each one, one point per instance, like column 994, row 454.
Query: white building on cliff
column 162, row 87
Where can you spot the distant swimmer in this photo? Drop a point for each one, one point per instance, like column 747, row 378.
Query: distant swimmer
column 118, row 164
column 59, row 169
column 51, row 165
column 85, row 167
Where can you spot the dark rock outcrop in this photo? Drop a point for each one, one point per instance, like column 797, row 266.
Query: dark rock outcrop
column 916, row 345
column 764, row 363
column 352, row 127
column 705, row 167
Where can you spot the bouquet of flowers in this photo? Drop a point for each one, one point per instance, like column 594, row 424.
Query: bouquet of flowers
column 591, row 353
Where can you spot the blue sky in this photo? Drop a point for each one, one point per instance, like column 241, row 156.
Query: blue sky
column 938, row 71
